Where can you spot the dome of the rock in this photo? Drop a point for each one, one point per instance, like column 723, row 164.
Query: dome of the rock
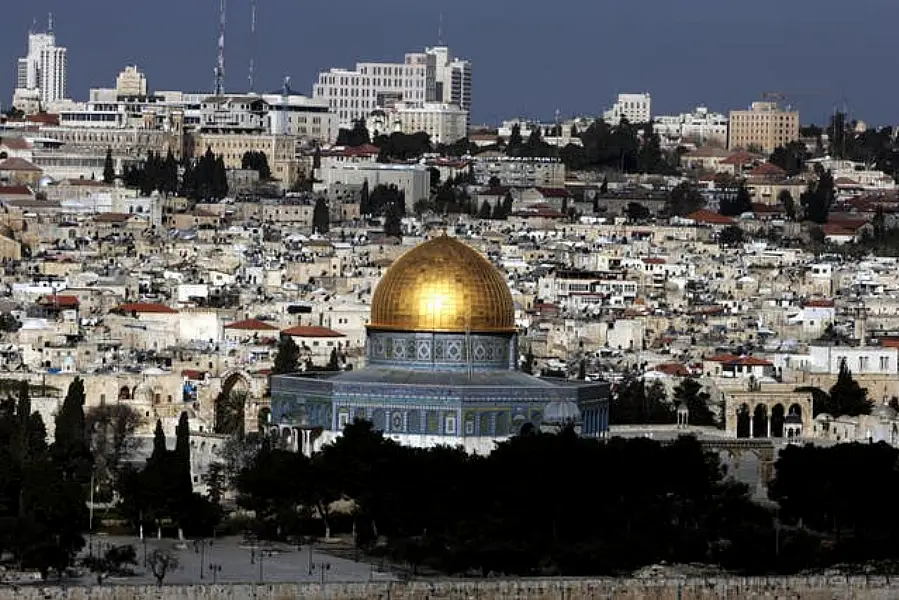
column 442, row 285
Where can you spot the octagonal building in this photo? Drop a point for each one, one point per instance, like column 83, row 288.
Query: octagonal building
column 442, row 365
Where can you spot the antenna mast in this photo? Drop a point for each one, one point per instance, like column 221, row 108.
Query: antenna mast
column 440, row 30
column 220, row 61
column 252, row 46
column 50, row 23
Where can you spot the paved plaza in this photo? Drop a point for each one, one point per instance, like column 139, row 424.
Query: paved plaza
column 234, row 560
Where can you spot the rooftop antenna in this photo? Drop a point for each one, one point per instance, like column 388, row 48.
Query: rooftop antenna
column 252, row 45
column 440, row 29
column 50, row 23
column 220, row 62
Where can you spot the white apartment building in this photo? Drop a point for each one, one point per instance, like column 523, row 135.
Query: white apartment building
column 699, row 127
column 636, row 108
column 445, row 123
column 301, row 116
column 413, row 180
column 429, row 76
column 41, row 74
column 131, row 82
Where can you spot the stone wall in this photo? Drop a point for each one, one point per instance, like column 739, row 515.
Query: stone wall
column 783, row 588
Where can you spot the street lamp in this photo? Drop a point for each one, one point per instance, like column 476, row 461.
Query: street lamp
column 200, row 548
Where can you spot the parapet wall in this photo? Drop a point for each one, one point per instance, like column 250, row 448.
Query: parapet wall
column 781, row 588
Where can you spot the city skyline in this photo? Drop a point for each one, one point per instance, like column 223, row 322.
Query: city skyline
column 523, row 65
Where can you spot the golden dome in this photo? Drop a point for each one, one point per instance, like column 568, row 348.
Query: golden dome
column 443, row 285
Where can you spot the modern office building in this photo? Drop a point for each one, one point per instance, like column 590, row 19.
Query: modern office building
column 429, row 76
column 41, row 74
column 763, row 127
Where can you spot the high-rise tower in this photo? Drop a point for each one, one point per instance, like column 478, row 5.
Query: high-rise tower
column 42, row 73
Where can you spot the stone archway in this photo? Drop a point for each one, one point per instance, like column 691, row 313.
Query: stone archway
column 231, row 404
column 778, row 415
column 743, row 421
column 760, row 421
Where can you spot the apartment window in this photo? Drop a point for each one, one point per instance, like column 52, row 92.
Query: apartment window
column 451, row 425
column 884, row 363
column 862, row 363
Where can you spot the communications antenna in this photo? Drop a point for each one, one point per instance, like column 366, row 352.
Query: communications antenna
column 220, row 60
column 285, row 101
column 252, row 45
column 440, row 29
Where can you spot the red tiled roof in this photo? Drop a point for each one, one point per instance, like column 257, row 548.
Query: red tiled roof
column 251, row 325
column 363, row 150
column 553, row 192
column 722, row 358
column 653, row 261
column 60, row 301
column 312, row 331
column 146, row 307
column 709, row 217
column 673, row 369
column 43, row 118
column 15, row 143
column 739, row 159
column 767, row 170
column 750, row 361
column 194, row 374
column 18, row 164
column 111, row 218
column 819, row 303
column 14, row 190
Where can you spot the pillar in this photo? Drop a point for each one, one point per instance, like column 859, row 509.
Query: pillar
column 751, row 423
column 769, row 425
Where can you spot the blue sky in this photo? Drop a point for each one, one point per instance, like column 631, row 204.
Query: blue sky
column 530, row 57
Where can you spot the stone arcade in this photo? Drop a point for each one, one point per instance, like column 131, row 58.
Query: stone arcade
column 442, row 365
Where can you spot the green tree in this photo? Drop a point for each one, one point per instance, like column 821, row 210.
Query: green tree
column 785, row 199
column 108, row 168
column 847, row 397
column 683, row 200
column 690, row 393
column 393, row 226
column 320, row 216
column 791, row 158
column 515, row 139
column 71, row 449
column 637, row 212
column 740, row 203
column 334, row 361
column 287, row 359
column 818, row 198
column 484, row 212
column 731, row 236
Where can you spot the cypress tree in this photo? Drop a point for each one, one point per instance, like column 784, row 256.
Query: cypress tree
column 108, row 167
column 158, row 443
column 182, row 455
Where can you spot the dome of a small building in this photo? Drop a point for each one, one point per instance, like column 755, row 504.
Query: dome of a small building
column 560, row 411
column 884, row 412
